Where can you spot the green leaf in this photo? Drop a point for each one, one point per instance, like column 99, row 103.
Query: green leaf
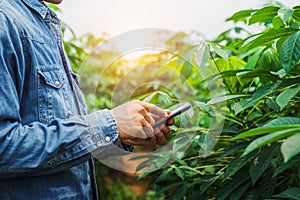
column 186, row 70
column 180, row 192
column 270, row 102
column 291, row 147
column 280, row 43
column 182, row 143
column 240, row 191
column 264, row 130
column 269, row 138
column 240, row 16
column 269, row 36
column 165, row 176
column 264, row 91
column 283, row 99
column 277, row 22
column 288, row 13
column 232, row 185
column 179, row 173
column 296, row 14
column 284, row 166
column 291, row 193
column 262, row 163
column 289, row 54
column 204, row 186
column 283, row 121
column 253, row 60
column 264, row 188
column 242, row 74
column 264, row 14
column 161, row 189
column 233, row 149
column 220, row 52
column 202, row 58
column 224, row 98
column 236, row 164
column 269, row 61
column 271, row 88
column 206, row 142
column 186, row 55
column 242, row 105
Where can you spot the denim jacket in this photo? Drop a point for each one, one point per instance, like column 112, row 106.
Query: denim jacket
column 45, row 132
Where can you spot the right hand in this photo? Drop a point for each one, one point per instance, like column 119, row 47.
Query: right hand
column 135, row 121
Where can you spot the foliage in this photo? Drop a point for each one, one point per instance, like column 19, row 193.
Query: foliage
column 257, row 154
column 243, row 141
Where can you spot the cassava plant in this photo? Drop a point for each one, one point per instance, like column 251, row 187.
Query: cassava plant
column 257, row 154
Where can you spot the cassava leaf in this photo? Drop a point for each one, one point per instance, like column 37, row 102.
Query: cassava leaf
column 223, row 54
column 261, row 141
column 281, row 121
column 284, row 166
column 277, row 22
column 266, row 90
column 269, row 36
column 186, row 70
column 224, row 98
column 290, row 52
column 231, row 186
column 291, row 193
column 179, row 172
column 291, row 147
column 264, row 130
column 264, row 14
column 204, row 186
column 237, row 164
column 161, row 189
column 261, row 164
column 240, row 15
column 283, row 99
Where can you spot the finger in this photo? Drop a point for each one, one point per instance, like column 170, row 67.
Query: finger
column 166, row 131
column 170, row 122
column 155, row 117
column 147, row 128
column 148, row 118
column 142, row 111
column 154, row 109
column 160, row 138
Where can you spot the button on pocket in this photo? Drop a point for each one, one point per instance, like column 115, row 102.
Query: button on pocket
column 54, row 97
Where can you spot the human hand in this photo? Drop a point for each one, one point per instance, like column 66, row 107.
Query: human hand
column 135, row 120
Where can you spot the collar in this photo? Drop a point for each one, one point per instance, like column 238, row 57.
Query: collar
column 38, row 6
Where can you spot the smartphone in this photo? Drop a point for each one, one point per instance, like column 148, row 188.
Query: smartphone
column 173, row 114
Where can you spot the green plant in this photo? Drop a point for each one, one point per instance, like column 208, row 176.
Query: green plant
column 257, row 154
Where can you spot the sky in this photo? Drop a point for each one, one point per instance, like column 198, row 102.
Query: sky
column 118, row 16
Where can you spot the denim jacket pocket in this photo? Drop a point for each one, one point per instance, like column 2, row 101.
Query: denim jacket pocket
column 54, row 100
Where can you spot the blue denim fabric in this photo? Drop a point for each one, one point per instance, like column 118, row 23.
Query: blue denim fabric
column 45, row 132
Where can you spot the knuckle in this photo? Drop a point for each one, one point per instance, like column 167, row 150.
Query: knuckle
column 141, row 110
column 136, row 101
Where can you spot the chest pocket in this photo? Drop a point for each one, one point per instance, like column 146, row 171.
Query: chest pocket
column 54, row 95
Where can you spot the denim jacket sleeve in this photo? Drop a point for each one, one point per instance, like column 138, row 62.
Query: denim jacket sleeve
column 41, row 148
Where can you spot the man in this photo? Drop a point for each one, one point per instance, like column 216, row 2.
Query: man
column 46, row 135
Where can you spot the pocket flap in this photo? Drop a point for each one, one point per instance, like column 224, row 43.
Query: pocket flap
column 53, row 76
